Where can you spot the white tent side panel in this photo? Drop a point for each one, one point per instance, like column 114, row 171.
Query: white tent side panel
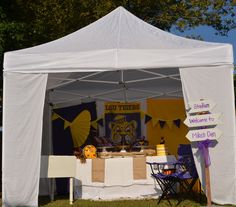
column 23, row 98
column 216, row 84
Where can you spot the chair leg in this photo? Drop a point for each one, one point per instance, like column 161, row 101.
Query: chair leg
column 162, row 197
column 182, row 188
column 187, row 187
column 167, row 188
column 200, row 191
column 163, row 185
column 192, row 183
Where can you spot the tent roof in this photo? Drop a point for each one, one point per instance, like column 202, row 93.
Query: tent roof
column 119, row 40
column 118, row 86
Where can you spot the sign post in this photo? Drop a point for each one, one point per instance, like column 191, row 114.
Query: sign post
column 208, row 185
column 202, row 130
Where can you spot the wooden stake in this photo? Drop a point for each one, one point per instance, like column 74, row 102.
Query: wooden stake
column 208, row 186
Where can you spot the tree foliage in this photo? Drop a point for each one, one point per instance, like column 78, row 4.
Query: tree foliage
column 25, row 23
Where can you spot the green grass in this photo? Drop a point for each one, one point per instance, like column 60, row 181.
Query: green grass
column 64, row 202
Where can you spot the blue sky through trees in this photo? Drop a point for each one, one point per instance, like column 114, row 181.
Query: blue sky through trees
column 208, row 34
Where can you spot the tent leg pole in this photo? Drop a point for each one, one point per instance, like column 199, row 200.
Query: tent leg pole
column 52, row 189
column 71, row 191
column 50, row 130
column 52, row 180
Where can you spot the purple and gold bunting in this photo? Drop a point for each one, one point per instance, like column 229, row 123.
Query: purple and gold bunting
column 169, row 123
column 177, row 122
column 147, row 118
column 154, row 121
column 162, row 123
column 100, row 122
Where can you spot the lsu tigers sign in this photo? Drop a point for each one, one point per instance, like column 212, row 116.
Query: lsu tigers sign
column 122, row 122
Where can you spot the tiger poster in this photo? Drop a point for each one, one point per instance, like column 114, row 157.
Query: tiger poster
column 122, row 122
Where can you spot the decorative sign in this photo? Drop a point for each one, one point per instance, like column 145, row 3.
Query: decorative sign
column 114, row 107
column 201, row 106
column 122, row 122
column 203, row 134
column 202, row 120
column 203, row 124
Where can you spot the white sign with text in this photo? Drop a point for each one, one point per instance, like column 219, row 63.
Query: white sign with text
column 202, row 120
column 201, row 106
column 203, row 134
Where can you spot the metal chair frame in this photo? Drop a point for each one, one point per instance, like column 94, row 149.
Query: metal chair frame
column 166, row 182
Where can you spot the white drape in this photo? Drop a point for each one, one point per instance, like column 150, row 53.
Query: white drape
column 216, row 84
column 23, row 103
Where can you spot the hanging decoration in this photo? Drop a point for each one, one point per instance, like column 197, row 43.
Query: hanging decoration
column 55, row 116
column 162, row 123
column 147, row 118
column 177, row 122
column 94, row 124
column 66, row 124
column 122, row 122
column 100, row 122
column 77, row 125
column 169, row 123
column 154, row 121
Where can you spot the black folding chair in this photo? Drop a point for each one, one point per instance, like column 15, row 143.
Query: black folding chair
column 187, row 176
column 166, row 180
column 186, row 172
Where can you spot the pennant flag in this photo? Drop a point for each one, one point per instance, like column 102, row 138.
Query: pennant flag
column 94, row 124
column 147, row 118
column 177, row 122
column 66, row 124
column 100, row 122
column 154, row 122
column 162, row 123
column 169, row 123
column 55, row 116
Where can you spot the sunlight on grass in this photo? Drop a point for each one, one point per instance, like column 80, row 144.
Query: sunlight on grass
column 44, row 201
column 64, row 202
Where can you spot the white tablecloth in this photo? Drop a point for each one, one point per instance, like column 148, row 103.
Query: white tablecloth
column 119, row 182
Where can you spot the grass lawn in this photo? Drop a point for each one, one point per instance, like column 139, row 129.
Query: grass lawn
column 64, row 202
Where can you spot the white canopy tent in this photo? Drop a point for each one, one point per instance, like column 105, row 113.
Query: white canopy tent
column 117, row 58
